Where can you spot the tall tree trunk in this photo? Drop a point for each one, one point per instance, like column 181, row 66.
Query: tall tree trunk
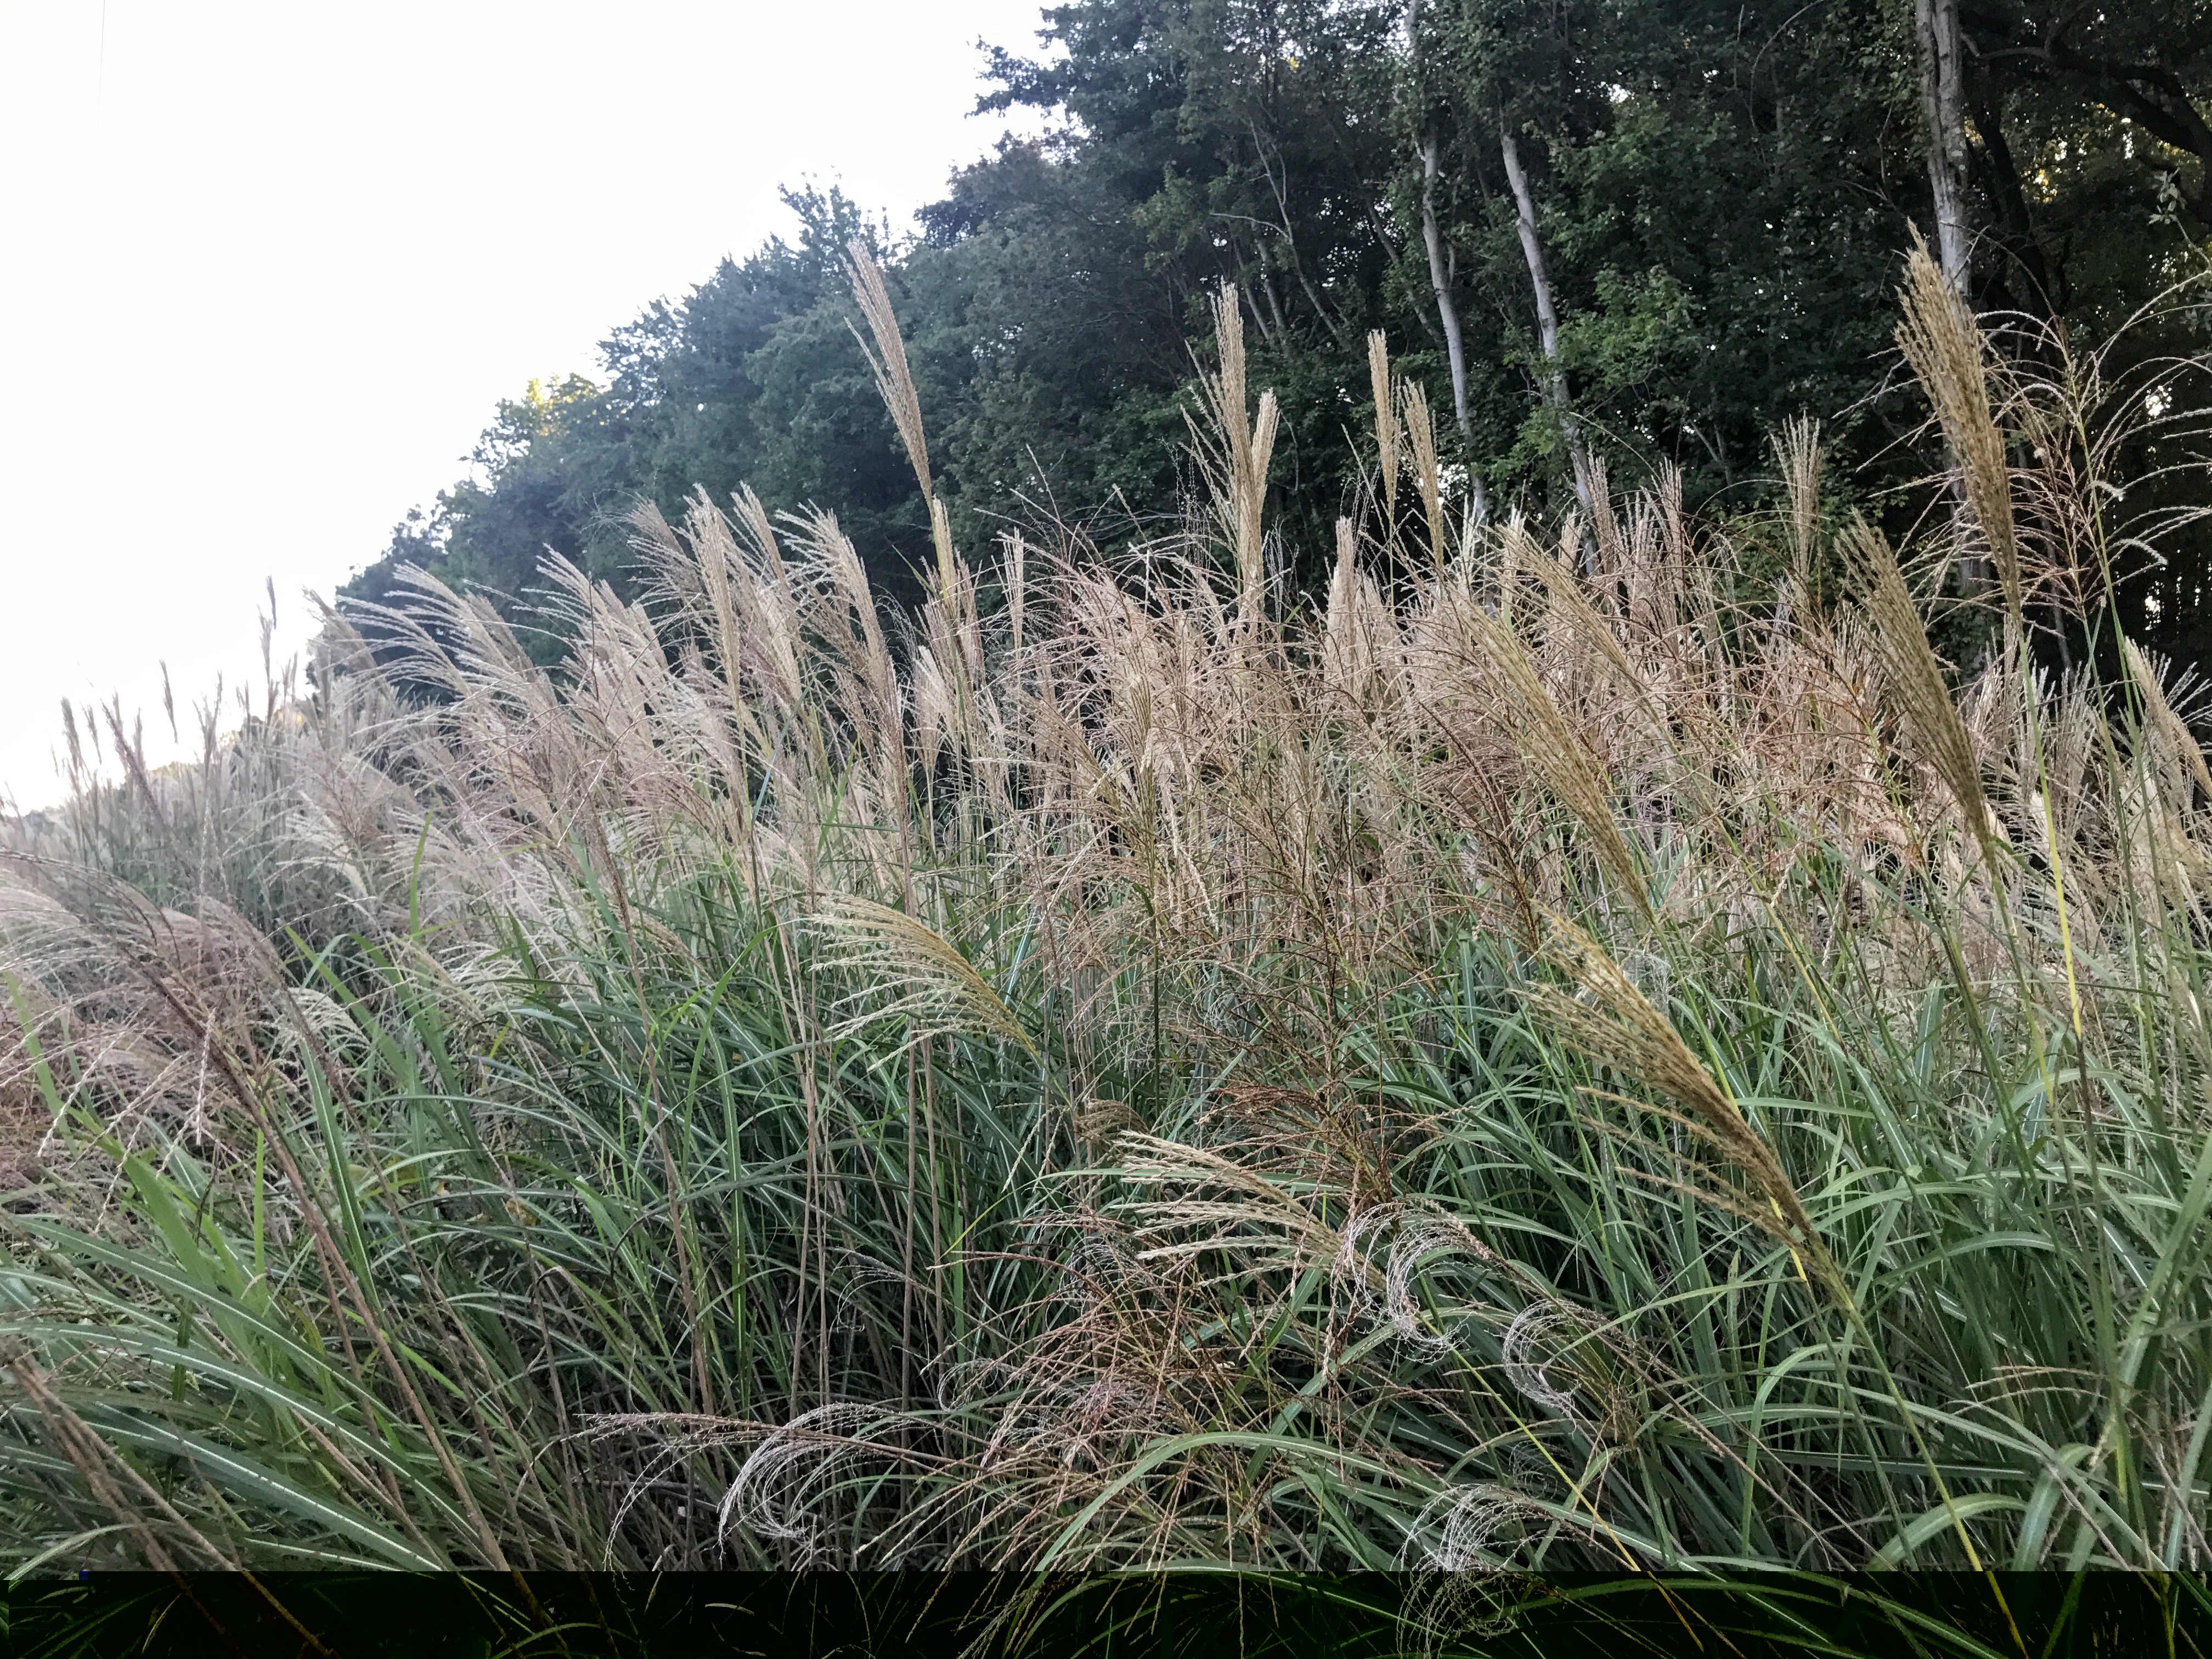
column 1440, row 276
column 1943, row 106
column 1943, row 109
column 1547, row 316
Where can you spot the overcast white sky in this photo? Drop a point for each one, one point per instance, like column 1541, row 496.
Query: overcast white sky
column 266, row 268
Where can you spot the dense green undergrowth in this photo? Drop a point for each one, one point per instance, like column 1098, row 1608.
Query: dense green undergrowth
column 1541, row 1060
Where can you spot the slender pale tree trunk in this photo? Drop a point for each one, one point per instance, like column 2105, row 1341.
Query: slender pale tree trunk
column 1944, row 105
column 1440, row 279
column 1547, row 316
column 1943, row 108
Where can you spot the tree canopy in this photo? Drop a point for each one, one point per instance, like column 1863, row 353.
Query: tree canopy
column 1715, row 195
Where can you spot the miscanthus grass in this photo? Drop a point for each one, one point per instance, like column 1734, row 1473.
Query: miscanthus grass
column 1549, row 1055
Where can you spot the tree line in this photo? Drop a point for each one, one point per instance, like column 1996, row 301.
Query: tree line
column 1598, row 234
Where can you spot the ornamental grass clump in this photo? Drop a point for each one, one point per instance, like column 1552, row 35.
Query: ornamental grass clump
column 1542, row 1059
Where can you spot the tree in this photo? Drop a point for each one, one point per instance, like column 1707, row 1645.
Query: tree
column 1942, row 104
column 1625, row 232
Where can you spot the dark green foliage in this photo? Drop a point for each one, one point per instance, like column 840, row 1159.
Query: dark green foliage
column 1721, row 190
column 755, row 378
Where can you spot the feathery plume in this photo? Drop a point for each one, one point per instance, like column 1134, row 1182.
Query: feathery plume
column 1421, row 439
column 1017, row 584
column 2158, row 712
column 1940, row 341
column 942, row 990
column 1916, row 679
column 1798, row 453
column 894, row 380
column 1619, row 1026
column 1250, row 445
column 1556, row 752
column 1386, row 421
